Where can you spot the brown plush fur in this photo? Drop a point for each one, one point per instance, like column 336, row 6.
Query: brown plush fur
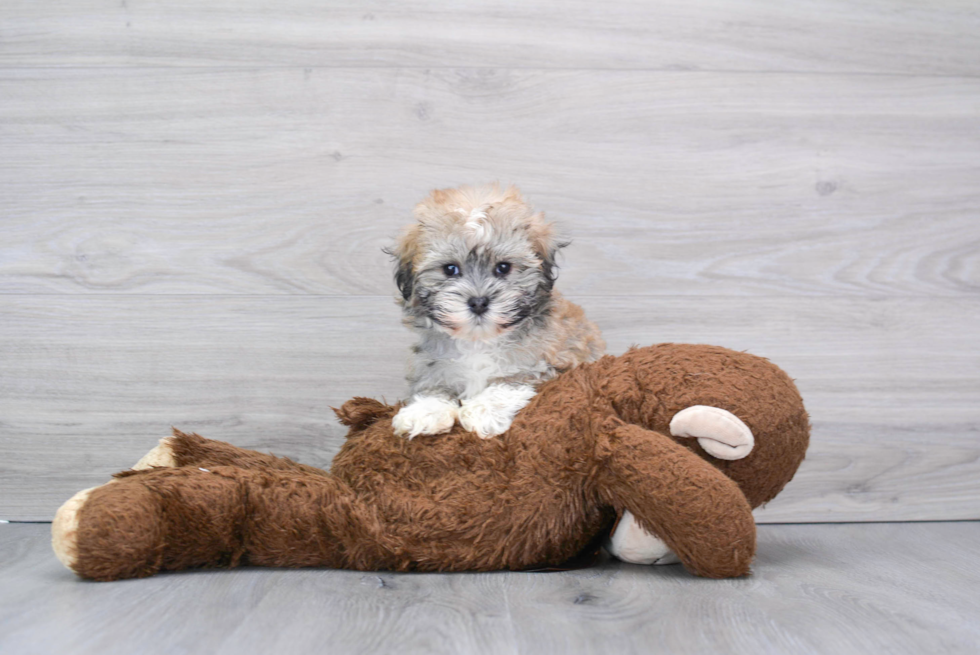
column 591, row 444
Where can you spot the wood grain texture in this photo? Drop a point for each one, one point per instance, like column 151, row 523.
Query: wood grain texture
column 291, row 181
column 90, row 383
column 847, row 589
column 194, row 197
column 881, row 36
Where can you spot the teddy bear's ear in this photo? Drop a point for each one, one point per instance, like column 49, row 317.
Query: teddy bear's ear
column 359, row 413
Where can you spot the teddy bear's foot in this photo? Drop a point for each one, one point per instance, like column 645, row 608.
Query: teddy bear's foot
column 718, row 431
column 64, row 529
column 161, row 455
column 102, row 545
column 631, row 543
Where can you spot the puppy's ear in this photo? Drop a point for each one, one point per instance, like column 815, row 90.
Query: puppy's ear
column 546, row 244
column 404, row 253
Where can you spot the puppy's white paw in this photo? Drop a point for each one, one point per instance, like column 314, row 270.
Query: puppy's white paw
column 425, row 415
column 718, row 431
column 631, row 543
column 491, row 411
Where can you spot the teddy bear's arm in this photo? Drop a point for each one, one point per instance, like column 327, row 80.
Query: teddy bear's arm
column 698, row 511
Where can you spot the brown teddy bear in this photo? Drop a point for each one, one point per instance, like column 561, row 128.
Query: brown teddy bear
column 591, row 446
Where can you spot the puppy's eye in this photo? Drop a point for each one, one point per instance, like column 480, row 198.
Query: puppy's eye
column 502, row 269
column 451, row 270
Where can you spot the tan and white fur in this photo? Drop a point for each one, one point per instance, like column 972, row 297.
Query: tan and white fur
column 476, row 277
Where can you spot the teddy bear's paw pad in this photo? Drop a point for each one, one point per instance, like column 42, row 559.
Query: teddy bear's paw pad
column 64, row 529
column 491, row 412
column 629, row 542
column 161, row 455
column 425, row 415
column 720, row 433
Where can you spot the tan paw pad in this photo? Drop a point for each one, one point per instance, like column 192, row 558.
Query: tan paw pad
column 161, row 455
column 64, row 528
column 629, row 542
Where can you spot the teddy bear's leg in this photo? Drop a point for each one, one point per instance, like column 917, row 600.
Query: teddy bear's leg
column 718, row 431
column 182, row 449
column 695, row 509
column 177, row 518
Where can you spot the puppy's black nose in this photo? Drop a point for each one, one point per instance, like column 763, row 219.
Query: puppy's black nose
column 478, row 305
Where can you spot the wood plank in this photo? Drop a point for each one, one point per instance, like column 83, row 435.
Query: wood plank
column 139, row 181
column 89, row 384
column 885, row 36
column 852, row 588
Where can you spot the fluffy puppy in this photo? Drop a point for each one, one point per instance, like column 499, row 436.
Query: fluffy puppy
column 476, row 277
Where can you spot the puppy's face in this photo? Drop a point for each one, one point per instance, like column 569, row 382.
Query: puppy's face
column 478, row 263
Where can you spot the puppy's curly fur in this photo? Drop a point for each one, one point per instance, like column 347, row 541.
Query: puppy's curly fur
column 476, row 276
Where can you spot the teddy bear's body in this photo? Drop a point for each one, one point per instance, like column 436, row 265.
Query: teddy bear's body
column 592, row 444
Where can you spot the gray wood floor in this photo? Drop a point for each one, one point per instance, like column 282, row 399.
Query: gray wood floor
column 832, row 588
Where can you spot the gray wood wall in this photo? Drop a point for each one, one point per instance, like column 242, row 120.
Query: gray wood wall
column 194, row 196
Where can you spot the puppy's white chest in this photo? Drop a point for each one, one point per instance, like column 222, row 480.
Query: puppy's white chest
column 475, row 370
